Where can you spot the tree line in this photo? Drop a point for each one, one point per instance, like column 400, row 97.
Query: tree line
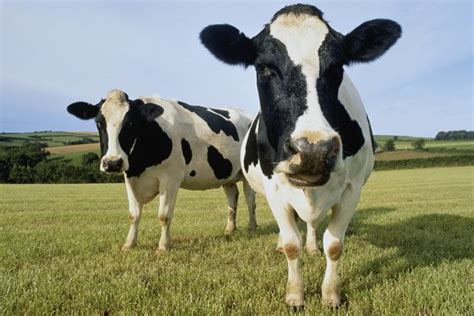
column 455, row 135
column 29, row 164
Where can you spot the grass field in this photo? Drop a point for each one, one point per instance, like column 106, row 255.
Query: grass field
column 405, row 142
column 72, row 153
column 407, row 154
column 53, row 139
column 409, row 251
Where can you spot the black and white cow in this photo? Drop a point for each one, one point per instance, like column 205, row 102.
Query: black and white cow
column 162, row 145
column 310, row 148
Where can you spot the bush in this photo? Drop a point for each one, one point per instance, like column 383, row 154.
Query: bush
column 389, row 145
column 418, row 144
column 28, row 164
column 29, row 154
column 90, row 159
column 22, row 174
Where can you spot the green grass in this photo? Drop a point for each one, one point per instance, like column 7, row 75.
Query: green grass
column 409, row 250
column 74, row 158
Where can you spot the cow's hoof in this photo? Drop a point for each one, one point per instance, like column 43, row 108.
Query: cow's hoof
column 280, row 249
column 252, row 227
column 295, row 300
column 315, row 252
column 161, row 252
column 331, row 301
column 163, row 248
column 229, row 230
column 294, row 294
column 127, row 247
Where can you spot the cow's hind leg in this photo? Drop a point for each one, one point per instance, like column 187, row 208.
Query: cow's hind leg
column 250, row 199
column 232, row 194
column 165, row 214
column 134, row 214
column 333, row 242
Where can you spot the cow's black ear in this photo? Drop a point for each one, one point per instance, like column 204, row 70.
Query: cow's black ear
column 370, row 40
column 229, row 45
column 151, row 111
column 83, row 110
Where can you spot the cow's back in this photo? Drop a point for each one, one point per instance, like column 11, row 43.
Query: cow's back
column 206, row 143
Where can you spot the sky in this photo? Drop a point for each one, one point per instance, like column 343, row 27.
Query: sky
column 54, row 53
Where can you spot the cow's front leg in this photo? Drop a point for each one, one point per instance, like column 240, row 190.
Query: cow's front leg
column 232, row 195
column 290, row 239
column 165, row 214
column 250, row 199
column 333, row 242
column 134, row 214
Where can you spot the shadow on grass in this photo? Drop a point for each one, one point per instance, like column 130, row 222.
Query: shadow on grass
column 242, row 233
column 421, row 241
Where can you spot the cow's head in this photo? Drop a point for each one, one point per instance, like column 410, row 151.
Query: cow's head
column 299, row 62
column 120, row 122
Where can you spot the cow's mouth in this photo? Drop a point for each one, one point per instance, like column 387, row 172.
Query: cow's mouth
column 303, row 180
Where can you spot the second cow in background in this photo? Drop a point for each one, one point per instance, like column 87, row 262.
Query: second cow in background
column 164, row 145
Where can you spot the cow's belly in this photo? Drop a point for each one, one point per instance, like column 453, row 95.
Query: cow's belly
column 199, row 175
column 206, row 182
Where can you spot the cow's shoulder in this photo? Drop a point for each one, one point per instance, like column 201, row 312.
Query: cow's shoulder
column 258, row 151
column 152, row 145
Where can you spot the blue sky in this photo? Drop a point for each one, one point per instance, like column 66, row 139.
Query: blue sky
column 54, row 53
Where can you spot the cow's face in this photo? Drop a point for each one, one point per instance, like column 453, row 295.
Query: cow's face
column 120, row 122
column 299, row 63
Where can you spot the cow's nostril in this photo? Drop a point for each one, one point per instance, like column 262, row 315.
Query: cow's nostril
column 334, row 146
column 291, row 147
column 112, row 165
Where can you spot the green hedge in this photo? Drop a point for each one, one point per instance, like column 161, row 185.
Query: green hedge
column 445, row 161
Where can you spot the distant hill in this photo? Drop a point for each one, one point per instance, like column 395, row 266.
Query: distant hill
column 52, row 139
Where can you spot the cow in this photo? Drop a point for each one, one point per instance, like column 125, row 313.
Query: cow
column 162, row 145
column 310, row 148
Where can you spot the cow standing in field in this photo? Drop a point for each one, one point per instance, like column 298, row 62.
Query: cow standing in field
column 310, row 148
column 163, row 145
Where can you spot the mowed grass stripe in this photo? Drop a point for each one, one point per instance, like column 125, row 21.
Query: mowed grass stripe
column 409, row 250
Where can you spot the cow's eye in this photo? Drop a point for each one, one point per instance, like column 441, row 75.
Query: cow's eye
column 99, row 124
column 266, row 71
